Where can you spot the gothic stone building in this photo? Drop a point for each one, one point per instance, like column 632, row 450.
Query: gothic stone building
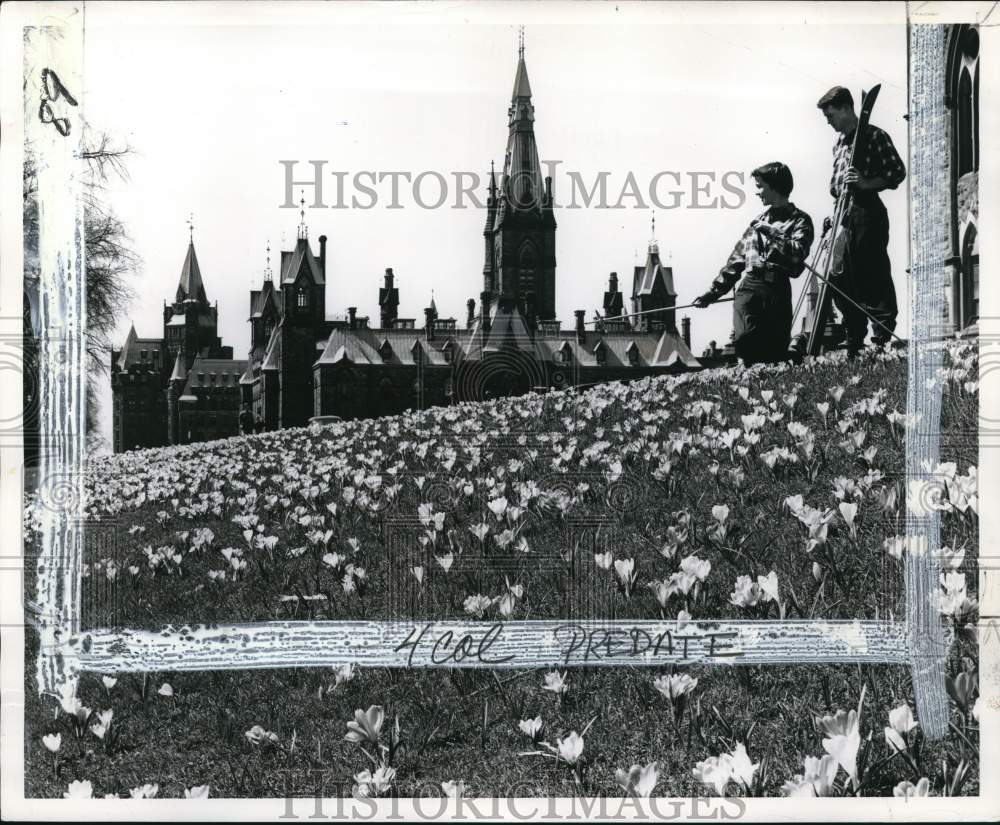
column 186, row 386
column 179, row 388
column 513, row 344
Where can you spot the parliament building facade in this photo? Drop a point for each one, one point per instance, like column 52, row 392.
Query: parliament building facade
column 185, row 386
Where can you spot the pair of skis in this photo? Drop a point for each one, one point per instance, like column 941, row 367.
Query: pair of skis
column 833, row 244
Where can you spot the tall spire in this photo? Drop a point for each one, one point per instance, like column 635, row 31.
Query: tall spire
column 191, row 228
column 522, row 88
column 653, row 245
column 522, row 183
column 267, row 266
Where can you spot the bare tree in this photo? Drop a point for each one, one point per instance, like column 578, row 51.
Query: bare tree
column 110, row 260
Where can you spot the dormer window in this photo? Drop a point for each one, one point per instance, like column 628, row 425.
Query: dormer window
column 564, row 354
column 601, row 353
column 386, row 351
column 449, row 352
column 415, row 351
column 633, row 354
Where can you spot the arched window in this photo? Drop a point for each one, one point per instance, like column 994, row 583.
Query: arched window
column 526, row 260
column 970, row 277
column 302, row 298
column 966, row 140
column 964, row 85
column 975, row 116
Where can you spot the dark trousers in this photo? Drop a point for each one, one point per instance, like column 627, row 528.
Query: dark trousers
column 762, row 320
column 866, row 275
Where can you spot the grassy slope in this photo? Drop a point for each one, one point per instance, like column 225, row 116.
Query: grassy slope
column 197, row 736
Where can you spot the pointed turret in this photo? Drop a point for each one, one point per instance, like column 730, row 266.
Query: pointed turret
column 653, row 289
column 180, row 371
column 489, row 268
column 191, row 287
column 522, row 88
column 131, row 340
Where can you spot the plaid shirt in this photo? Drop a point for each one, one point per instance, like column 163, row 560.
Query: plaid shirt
column 877, row 159
column 758, row 257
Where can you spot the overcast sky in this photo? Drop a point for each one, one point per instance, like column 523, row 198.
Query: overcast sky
column 210, row 104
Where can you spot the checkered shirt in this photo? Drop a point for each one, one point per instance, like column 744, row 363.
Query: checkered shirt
column 877, row 159
column 757, row 257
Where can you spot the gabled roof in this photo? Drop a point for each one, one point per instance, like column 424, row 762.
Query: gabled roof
column 363, row 345
column 227, row 372
column 131, row 351
column 645, row 277
column 260, row 299
column 671, row 349
column 299, row 259
column 272, row 354
column 346, row 345
column 654, row 349
column 191, row 285
column 509, row 330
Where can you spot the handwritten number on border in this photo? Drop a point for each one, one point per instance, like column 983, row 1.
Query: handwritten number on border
column 53, row 90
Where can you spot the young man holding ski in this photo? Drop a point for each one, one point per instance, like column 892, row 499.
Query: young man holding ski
column 862, row 269
column 772, row 250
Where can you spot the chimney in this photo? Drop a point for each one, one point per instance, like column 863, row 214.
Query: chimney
column 352, row 313
column 580, row 329
column 471, row 317
column 613, row 282
column 429, row 323
column 548, row 190
column 686, row 331
column 322, row 254
column 388, row 300
column 484, row 310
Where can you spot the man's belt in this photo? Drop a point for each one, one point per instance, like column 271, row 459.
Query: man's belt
column 767, row 274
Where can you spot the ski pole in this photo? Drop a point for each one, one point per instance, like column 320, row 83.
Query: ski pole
column 600, row 320
column 854, row 303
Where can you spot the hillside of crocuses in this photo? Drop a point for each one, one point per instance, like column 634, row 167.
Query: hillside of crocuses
column 770, row 492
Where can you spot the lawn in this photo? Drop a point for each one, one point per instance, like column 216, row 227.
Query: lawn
column 770, row 492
